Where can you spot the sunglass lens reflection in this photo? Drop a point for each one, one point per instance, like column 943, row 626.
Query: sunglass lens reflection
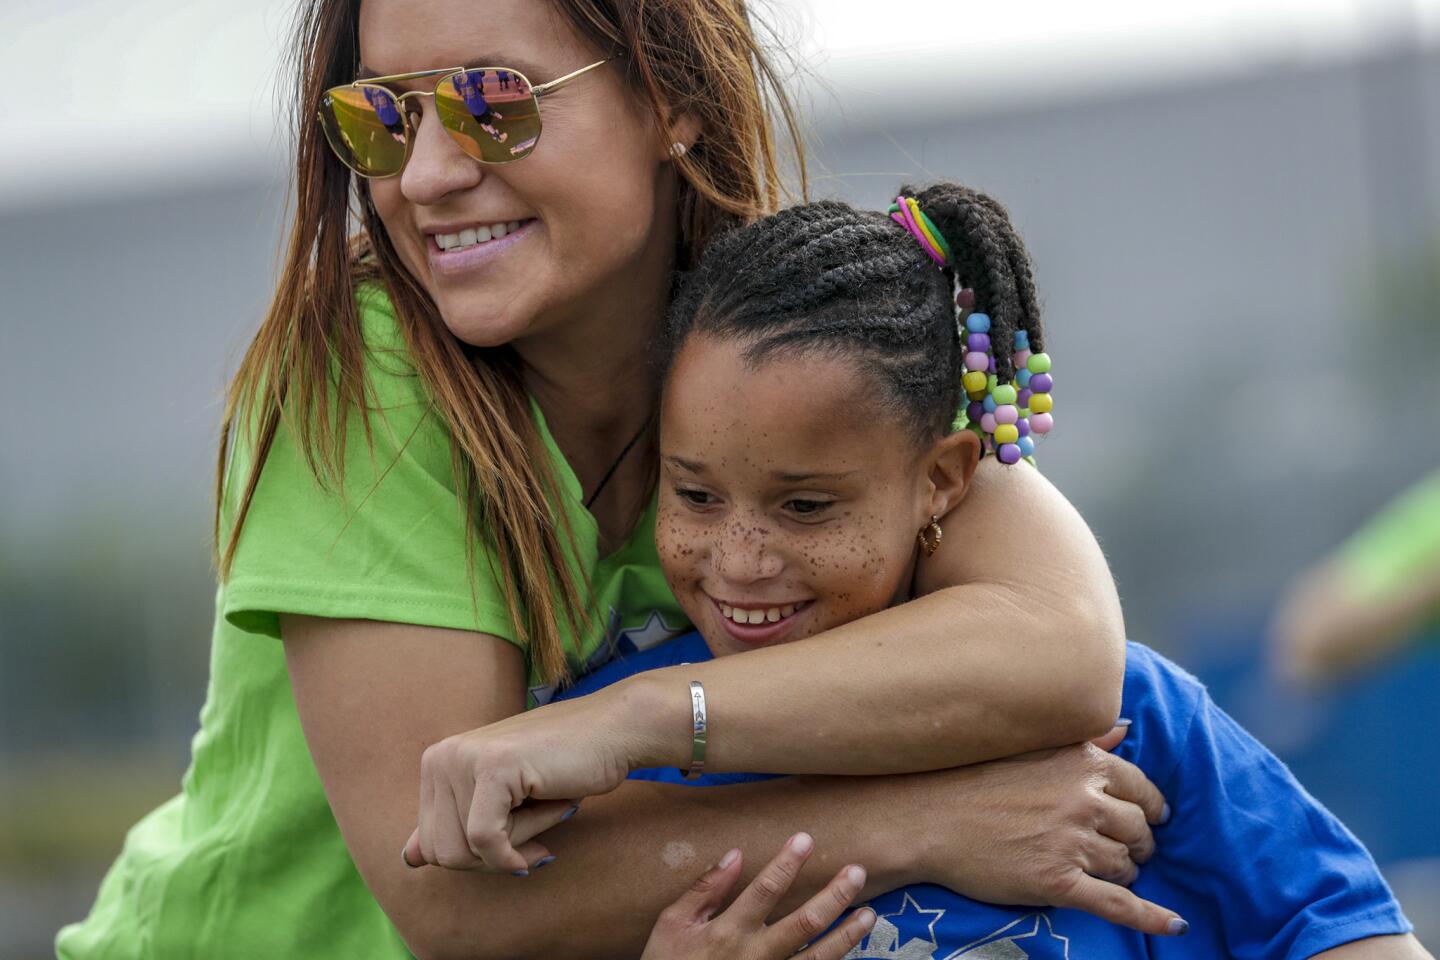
column 364, row 126
column 490, row 113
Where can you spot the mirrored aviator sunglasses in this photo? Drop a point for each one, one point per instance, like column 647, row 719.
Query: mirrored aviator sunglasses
column 492, row 113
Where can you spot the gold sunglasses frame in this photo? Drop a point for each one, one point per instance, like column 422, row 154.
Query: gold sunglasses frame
column 537, row 91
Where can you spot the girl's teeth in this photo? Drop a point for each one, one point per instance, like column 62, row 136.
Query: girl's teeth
column 497, row 230
column 767, row 615
column 468, row 238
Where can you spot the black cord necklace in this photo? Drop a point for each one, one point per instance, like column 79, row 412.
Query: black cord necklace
column 619, row 460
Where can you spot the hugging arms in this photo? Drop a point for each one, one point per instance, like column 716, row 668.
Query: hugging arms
column 373, row 697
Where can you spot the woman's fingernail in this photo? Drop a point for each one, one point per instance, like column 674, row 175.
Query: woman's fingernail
column 728, row 859
column 855, row 874
column 1123, row 722
column 1178, row 927
column 802, row 842
column 1164, row 814
column 867, row 917
column 544, row 861
column 574, row 808
column 405, row 857
column 521, row 873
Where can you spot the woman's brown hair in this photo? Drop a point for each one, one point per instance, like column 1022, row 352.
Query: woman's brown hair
column 306, row 365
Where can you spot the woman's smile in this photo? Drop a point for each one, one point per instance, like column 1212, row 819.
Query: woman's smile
column 460, row 250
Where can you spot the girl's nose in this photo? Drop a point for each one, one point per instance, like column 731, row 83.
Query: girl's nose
column 437, row 166
column 745, row 553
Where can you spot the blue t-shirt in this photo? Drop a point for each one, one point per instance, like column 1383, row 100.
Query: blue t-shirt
column 1256, row 865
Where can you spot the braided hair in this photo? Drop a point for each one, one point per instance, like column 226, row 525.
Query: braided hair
column 829, row 278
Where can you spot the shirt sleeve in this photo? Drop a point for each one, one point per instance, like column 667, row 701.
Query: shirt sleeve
column 1248, row 849
column 389, row 543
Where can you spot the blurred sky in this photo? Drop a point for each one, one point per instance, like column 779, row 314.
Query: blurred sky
column 154, row 90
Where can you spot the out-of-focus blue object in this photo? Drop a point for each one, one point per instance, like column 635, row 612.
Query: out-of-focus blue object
column 1368, row 748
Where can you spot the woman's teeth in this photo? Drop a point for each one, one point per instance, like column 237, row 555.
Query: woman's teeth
column 469, row 238
column 767, row 615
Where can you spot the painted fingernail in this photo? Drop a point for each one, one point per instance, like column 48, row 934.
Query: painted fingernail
column 521, row 873
column 575, row 808
column 1165, row 815
column 728, row 859
column 802, row 842
column 405, row 858
column 544, row 861
column 1178, row 927
column 1123, row 722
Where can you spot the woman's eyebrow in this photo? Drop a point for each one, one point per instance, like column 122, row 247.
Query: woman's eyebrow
column 484, row 60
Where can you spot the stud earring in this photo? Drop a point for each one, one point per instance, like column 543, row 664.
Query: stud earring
column 678, row 149
column 929, row 536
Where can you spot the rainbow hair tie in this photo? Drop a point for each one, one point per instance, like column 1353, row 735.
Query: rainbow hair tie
column 906, row 212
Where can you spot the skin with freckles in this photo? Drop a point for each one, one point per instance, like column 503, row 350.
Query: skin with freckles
column 785, row 483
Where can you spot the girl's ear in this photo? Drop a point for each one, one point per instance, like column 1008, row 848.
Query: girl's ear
column 950, row 465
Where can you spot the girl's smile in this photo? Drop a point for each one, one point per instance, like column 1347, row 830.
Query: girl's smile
column 759, row 624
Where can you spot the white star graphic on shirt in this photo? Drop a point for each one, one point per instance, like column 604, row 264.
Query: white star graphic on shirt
column 1004, row 937
column 884, row 940
column 653, row 631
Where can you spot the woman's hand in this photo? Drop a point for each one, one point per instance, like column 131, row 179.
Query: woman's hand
column 485, row 794
column 693, row 928
column 1059, row 828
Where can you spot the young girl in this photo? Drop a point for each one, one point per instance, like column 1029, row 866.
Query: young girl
column 786, row 512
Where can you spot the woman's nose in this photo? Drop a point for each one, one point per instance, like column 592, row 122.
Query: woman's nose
column 437, row 166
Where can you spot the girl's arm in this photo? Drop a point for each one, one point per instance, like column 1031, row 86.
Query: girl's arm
column 1379, row 948
column 372, row 696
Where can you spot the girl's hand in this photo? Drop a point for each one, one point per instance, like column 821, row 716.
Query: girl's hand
column 485, row 794
column 693, row 928
column 1059, row 828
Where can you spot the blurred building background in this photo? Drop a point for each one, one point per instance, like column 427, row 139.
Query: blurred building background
column 1235, row 213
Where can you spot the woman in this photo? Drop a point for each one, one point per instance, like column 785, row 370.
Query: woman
column 413, row 589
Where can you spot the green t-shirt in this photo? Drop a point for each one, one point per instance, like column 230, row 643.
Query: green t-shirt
column 247, row 860
column 1384, row 557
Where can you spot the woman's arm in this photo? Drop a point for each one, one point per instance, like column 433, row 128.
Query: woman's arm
column 1018, row 645
column 1026, row 652
column 372, row 696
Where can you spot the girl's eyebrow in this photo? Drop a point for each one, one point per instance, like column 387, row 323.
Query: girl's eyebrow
column 689, row 466
column 811, row 475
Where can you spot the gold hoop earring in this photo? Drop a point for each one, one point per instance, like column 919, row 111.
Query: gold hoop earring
column 929, row 536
